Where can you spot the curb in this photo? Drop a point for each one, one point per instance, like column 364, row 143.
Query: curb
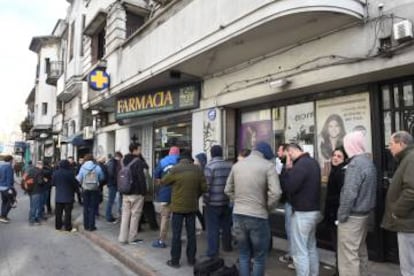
column 136, row 264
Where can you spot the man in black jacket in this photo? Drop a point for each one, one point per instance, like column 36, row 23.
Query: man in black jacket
column 303, row 186
column 133, row 201
column 113, row 167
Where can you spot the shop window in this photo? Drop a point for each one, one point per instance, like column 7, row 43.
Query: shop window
column 408, row 94
column 334, row 119
column 256, row 126
column 176, row 134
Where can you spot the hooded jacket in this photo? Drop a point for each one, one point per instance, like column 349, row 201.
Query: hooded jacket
column 88, row 166
column 6, row 176
column 359, row 191
column 65, row 182
column 164, row 194
column 399, row 204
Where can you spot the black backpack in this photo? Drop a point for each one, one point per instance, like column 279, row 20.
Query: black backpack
column 125, row 178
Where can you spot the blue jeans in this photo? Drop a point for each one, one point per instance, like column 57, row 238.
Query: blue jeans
column 303, row 243
column 90, row 204
column 253, row 237
column 218, row 218
column 177, row 225
column 35, row 205
column 111, row 199
column 288, row 222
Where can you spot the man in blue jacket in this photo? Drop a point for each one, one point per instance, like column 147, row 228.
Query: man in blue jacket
column 6, row 183
column 164, row 195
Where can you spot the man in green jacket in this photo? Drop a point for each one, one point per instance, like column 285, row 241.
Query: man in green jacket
column 399, row 204
column 188, row 184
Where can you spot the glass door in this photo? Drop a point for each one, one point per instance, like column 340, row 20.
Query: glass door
column 397, row 114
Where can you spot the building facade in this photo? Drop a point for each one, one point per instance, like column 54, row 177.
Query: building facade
column 195, row 73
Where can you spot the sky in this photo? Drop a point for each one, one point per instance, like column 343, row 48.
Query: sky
column 20, row 20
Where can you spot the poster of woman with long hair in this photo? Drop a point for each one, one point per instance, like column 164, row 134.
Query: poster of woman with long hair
column 335, row 118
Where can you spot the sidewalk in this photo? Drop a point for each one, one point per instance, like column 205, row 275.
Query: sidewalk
column 143, row 259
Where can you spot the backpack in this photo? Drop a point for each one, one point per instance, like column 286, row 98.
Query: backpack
column 90, row 180
column 27, row 183
column 125, row 178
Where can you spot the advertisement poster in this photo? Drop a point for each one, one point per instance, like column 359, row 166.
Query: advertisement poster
column 335, row 118
column 300, row 126
column 256, row 126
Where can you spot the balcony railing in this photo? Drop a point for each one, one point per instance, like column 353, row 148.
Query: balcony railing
column 54, row 70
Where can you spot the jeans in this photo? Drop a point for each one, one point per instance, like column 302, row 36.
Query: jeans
column 218, row 218
column 6, row 204
column 111, row 199
column 35, row 206
column 253, row 235
column 90, row 204
column 43, row 199
column 352, row 248
column 177, row 225
column 288, row 222
column 60, row 207
column 303, row 243
column 406, row 252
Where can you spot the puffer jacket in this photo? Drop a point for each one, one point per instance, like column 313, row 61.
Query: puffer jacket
column 399, row 204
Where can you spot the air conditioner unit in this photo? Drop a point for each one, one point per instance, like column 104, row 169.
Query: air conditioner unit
column 403, row 31
column 88, row 132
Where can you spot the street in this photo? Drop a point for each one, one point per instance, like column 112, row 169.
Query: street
column 41, row 250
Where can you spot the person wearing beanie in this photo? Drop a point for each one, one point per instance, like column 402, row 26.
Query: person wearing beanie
column 201, row 160
column 164, row 193
column 218, row 211
column 357, row 200
column 253, row 185
column 302, row 185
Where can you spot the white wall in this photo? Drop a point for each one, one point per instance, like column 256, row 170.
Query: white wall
column 122, row 140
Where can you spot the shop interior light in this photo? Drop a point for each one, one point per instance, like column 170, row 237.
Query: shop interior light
column 279, row 83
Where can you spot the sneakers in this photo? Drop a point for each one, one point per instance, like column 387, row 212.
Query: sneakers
column 159, row 244
column 285, row 259
column 112, row 220
column 4, row 220
column 136, row 241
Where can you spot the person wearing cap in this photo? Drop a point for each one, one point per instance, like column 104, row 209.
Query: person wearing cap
column 253, row 185
column 302, row 185
column 188, row 184
column 357, row 200
column 218, row 211
column 164, row 194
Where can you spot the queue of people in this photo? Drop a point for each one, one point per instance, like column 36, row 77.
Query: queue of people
column 237, row 196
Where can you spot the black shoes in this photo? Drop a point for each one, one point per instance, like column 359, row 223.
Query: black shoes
column 172, row 264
